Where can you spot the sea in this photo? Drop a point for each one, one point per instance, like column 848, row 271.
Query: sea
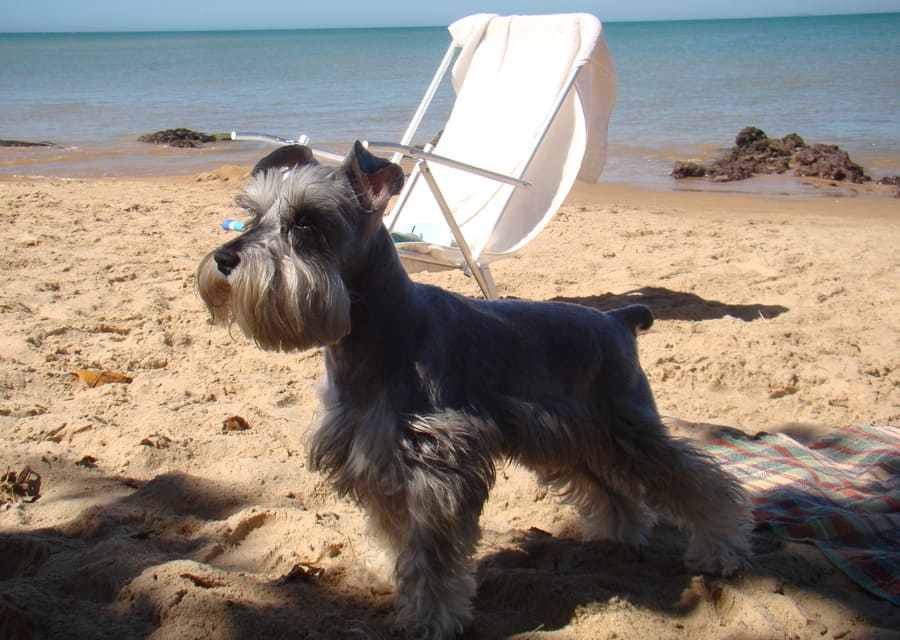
column 685, row 89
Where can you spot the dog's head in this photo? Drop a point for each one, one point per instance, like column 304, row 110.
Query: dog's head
column 282, row 280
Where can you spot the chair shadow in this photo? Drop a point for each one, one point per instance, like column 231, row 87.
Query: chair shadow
column 667, row 304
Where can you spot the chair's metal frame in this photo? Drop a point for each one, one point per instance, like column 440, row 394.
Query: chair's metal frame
column 481, row 272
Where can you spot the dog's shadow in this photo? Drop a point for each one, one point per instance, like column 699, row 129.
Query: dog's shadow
column 536, row 581
column 667, row 304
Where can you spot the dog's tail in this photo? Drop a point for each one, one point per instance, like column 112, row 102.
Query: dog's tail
column 635, row 317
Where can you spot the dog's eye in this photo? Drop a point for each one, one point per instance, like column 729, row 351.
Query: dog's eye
column 301, row 221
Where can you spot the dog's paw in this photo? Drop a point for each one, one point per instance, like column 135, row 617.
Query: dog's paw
column 439, row 624
column 715, row 556
column 634, row 537
column 632, row 529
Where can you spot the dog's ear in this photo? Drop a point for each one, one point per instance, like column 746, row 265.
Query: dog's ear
column 374, row 179
column 286, row 157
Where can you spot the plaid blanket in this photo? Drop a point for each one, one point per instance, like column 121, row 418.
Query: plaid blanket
column 842, row 494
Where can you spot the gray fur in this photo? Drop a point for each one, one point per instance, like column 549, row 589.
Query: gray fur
column 426, row 390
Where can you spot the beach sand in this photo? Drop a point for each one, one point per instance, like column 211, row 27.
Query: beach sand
column 156, row 521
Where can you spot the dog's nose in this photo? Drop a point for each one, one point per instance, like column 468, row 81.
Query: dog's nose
column 227, row 260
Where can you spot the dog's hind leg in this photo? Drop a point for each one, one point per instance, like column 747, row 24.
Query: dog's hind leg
column 605, row 514
column 678, row 479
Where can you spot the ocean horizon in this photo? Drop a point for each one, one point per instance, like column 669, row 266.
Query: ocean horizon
column 685, row 89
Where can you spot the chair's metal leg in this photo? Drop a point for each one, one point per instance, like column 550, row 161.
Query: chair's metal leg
column 491, row 292
column 394, row 215
column 477, row 270
column 426, row 100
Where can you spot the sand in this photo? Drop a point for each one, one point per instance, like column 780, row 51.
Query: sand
column 153, row 520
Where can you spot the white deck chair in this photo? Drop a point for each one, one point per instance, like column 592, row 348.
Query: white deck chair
column 534, row 98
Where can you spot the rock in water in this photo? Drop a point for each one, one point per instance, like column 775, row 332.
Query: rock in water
column 185, row 138
column 25, row 143
column 688, row 170
column 827, row 161
column 754, row 152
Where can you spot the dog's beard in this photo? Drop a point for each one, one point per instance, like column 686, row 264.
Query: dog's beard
column 281, row 302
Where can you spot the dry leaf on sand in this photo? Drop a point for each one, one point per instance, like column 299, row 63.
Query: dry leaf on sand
column 235, row 423
column 96, row 377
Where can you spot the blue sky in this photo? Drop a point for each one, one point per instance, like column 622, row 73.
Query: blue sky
column 127, row 15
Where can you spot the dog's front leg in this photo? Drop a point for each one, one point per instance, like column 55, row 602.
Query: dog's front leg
column 435, row 580
column 432, row 525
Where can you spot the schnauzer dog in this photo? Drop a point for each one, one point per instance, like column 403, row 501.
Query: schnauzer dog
column 426, row 390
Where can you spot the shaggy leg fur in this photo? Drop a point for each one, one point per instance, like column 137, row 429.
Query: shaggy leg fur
column 605, row 514
column 432, row 524
column 675, row 478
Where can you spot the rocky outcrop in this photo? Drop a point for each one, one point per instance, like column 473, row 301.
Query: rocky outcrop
column 893, row 181
column 754, row 152
column 25, row 143
column 689, row 170
column 829, row 162
column 183, row 138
